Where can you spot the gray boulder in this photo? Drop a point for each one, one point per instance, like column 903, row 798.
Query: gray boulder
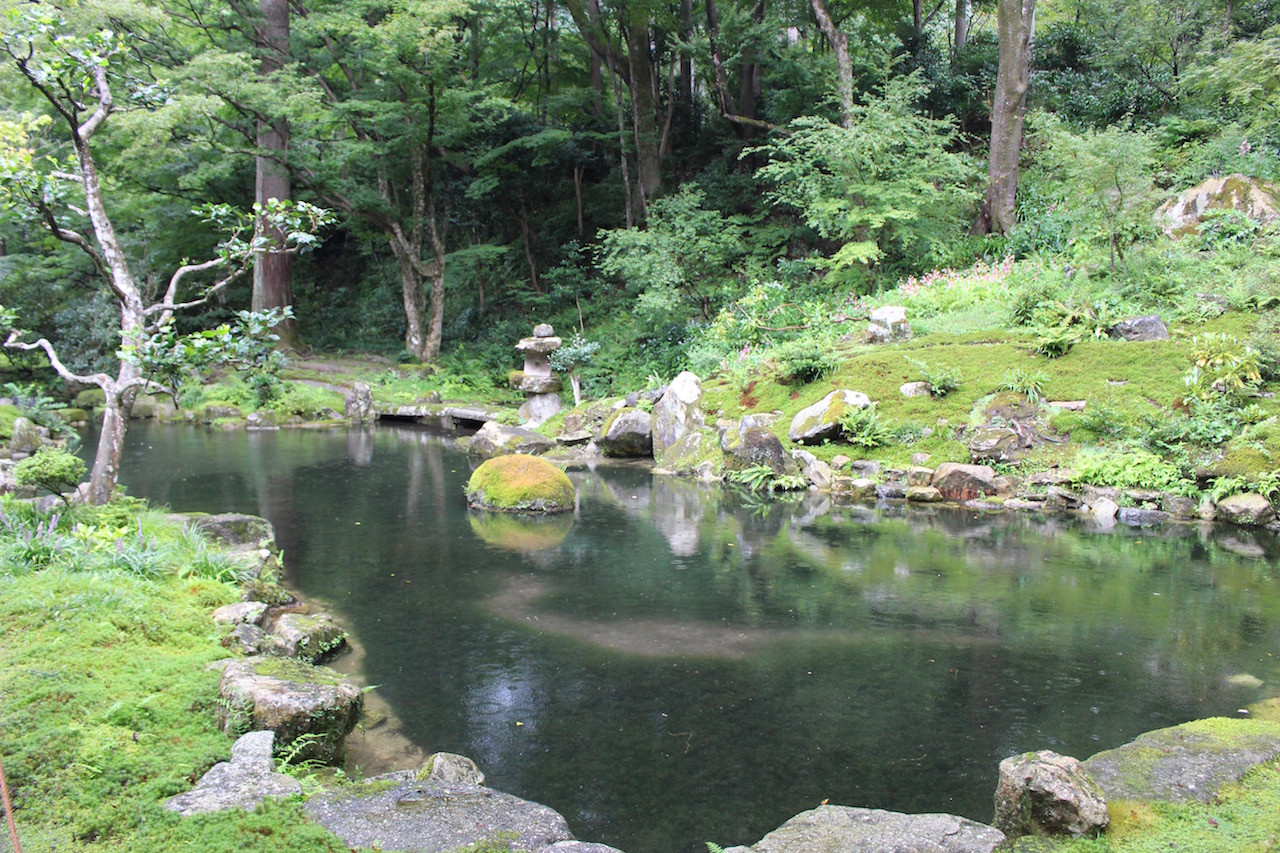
column 888, row 323
column 358, row 403
column 994, row 444
column 628, row 433
column 240, row 613
column 821, row 420
column 814, row 469
column 393, row 812
column 241, row 783
column 923, row 494
column 1192, row 761
column 676, row 414
column 449, row 768
column 539, row 407
column 233, row 528
column 292, row 699
column 1044, row 793
column 305, row 636
column 495, row 439
column 1246, row 510
column 26, row 436
column 959, row 482
column 841, row 828
column 1148, row 327
column 1181, row 215
column 745, row 446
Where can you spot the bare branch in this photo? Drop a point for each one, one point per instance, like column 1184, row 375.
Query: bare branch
column 14, row 342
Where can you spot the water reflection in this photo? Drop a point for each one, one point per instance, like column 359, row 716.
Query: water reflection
column 678, row 664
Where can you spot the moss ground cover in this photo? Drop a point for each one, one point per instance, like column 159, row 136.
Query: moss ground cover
column 105, row 706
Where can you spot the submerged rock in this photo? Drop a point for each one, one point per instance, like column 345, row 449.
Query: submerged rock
column 842, row 828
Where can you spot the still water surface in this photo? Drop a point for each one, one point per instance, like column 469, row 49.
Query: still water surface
column 673, row 665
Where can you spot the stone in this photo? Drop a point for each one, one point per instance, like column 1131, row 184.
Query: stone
column 1044, row 793
column 677, row 413
column 959, row 482
column 1059, row 499
column 520, row 483
column 1105, row 509
column 1179, row 506
column 240, row 613
column 843, row 828
column 865, row 467
column 839, row 461
column 821, row 420
column 753, row 445
column 628, row 433
column 305, row 636
column 26, row 436
column 495, row 439
column 1257, row 199
column 244, row 782
column 1140, row 516
column 858, row 488
column 233, row 528
column 995, row 444
column 923, row 494
column 358, row 403
column 1192, row 761
column 396, row 813
column 1148, row 327
column 245, row 638
column 578, row 847
column 448, row 768
column 914, row 389
column 687, row 453
column 1245, row 510
column 292, row 699
column 531, row 383
column 221, row 412
column 918, row 475
column 543, row 330
column 817, row 472
column 542, row 346
column 891, row 491
column 1067, row 405
column 539, row 408
column 888, row 323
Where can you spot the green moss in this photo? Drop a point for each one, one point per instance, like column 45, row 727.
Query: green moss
column 1243, row 461
column 299, row 672
column 8, row 414
column 520, row 483
column 516, row 533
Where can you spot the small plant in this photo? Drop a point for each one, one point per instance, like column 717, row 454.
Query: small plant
column 53, row 469
column 1133, row 469
column 1029, row 385
column 1221, row 364
column 941, row 380
column 1224, row 487
column 910, row 433
column 578, row 352
column 862, row 427
column 762, row 478
column 803, row 360
column 1220, row 228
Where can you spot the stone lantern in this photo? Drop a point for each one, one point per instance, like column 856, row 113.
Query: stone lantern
column 536, row 380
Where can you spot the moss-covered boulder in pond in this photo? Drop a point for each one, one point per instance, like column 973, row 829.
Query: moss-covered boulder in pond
column 525, row 534
column 520, row 483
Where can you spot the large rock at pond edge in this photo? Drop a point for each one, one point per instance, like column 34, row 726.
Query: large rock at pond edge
column 397, row 812
column 1044, row 793
column 495, row 439
column 959, row 482
column 26, row 436
column 841, row 828
column 1246, row 510
column 233, row 528
column 358, row 403
column 745, row 446
column 821, row 420
column 519, row 483
column 677, row 413
column 1180, row 215
column 628, row 433
column 994, row 444
column 305, row 636
column 1187, row 762
column 241, row 783
column 292, row 699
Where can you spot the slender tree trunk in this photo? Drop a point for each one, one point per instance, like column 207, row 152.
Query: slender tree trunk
column 839, row 42
column 644, row 107
column 595, row 71
column 273, row 272
column 1015, row 25
column 749, row 77
column 964, row 11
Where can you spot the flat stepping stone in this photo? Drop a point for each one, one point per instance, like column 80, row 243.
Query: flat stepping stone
column 843, row 828
column 241, row 783
column 1187, row 762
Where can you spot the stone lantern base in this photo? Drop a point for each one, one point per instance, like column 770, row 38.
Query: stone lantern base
column 539, row 407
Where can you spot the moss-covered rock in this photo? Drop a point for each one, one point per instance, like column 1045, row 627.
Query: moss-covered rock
column 520, row 483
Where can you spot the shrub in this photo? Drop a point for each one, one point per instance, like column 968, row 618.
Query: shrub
column 804, row 360
column 1133, row 469
column 942, row 380
column 862, row 427
column 51, row 468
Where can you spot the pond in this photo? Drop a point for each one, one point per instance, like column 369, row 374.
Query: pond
column 674, row 664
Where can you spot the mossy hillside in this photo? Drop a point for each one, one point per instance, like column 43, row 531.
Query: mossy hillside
column 107, row 710
column 520, row 483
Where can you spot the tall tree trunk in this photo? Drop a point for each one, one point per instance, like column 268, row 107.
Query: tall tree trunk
column 1015, row 26
column 964, row 11
column 273, row 272
column 749, row 77
column 596, row 74
column 644, row 107
column 839, row 42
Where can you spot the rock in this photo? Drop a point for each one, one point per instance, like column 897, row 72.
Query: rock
column 292, row 699
column 495, row 439
column 1105, row 509
column 687, row 453
column 677, row 413
column 520, row 483
column 753, row 445
column 858, row 488
column 821, row 420
column 1067, row 405
column 628, row 433
column 839, row 461
column 233, row 528
column 543, row 330
column 817, row 472
column 1181, row 215
column 246, row 639
column 533, row 383
column 891, row 491
column 994, row 444
column 865, row 467
column 1058, row 499
column 305, row 636
column 841, row 828
column 394, row 813
column 26, row 436
column 578, row 847
column 1246, row 510
column 1141, row 517
column 1148, row 327
column 914, row 389
column 1179, row 506
column 241, row 783
column 887, row 324
column 1044, row 793
column 959, row 482
column 538, row 408
column 923, row 494
column 448, row 768
column 358, row 403
column 221, row 412
column 918, row 475
column 240, row 613
column 1187, row 762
